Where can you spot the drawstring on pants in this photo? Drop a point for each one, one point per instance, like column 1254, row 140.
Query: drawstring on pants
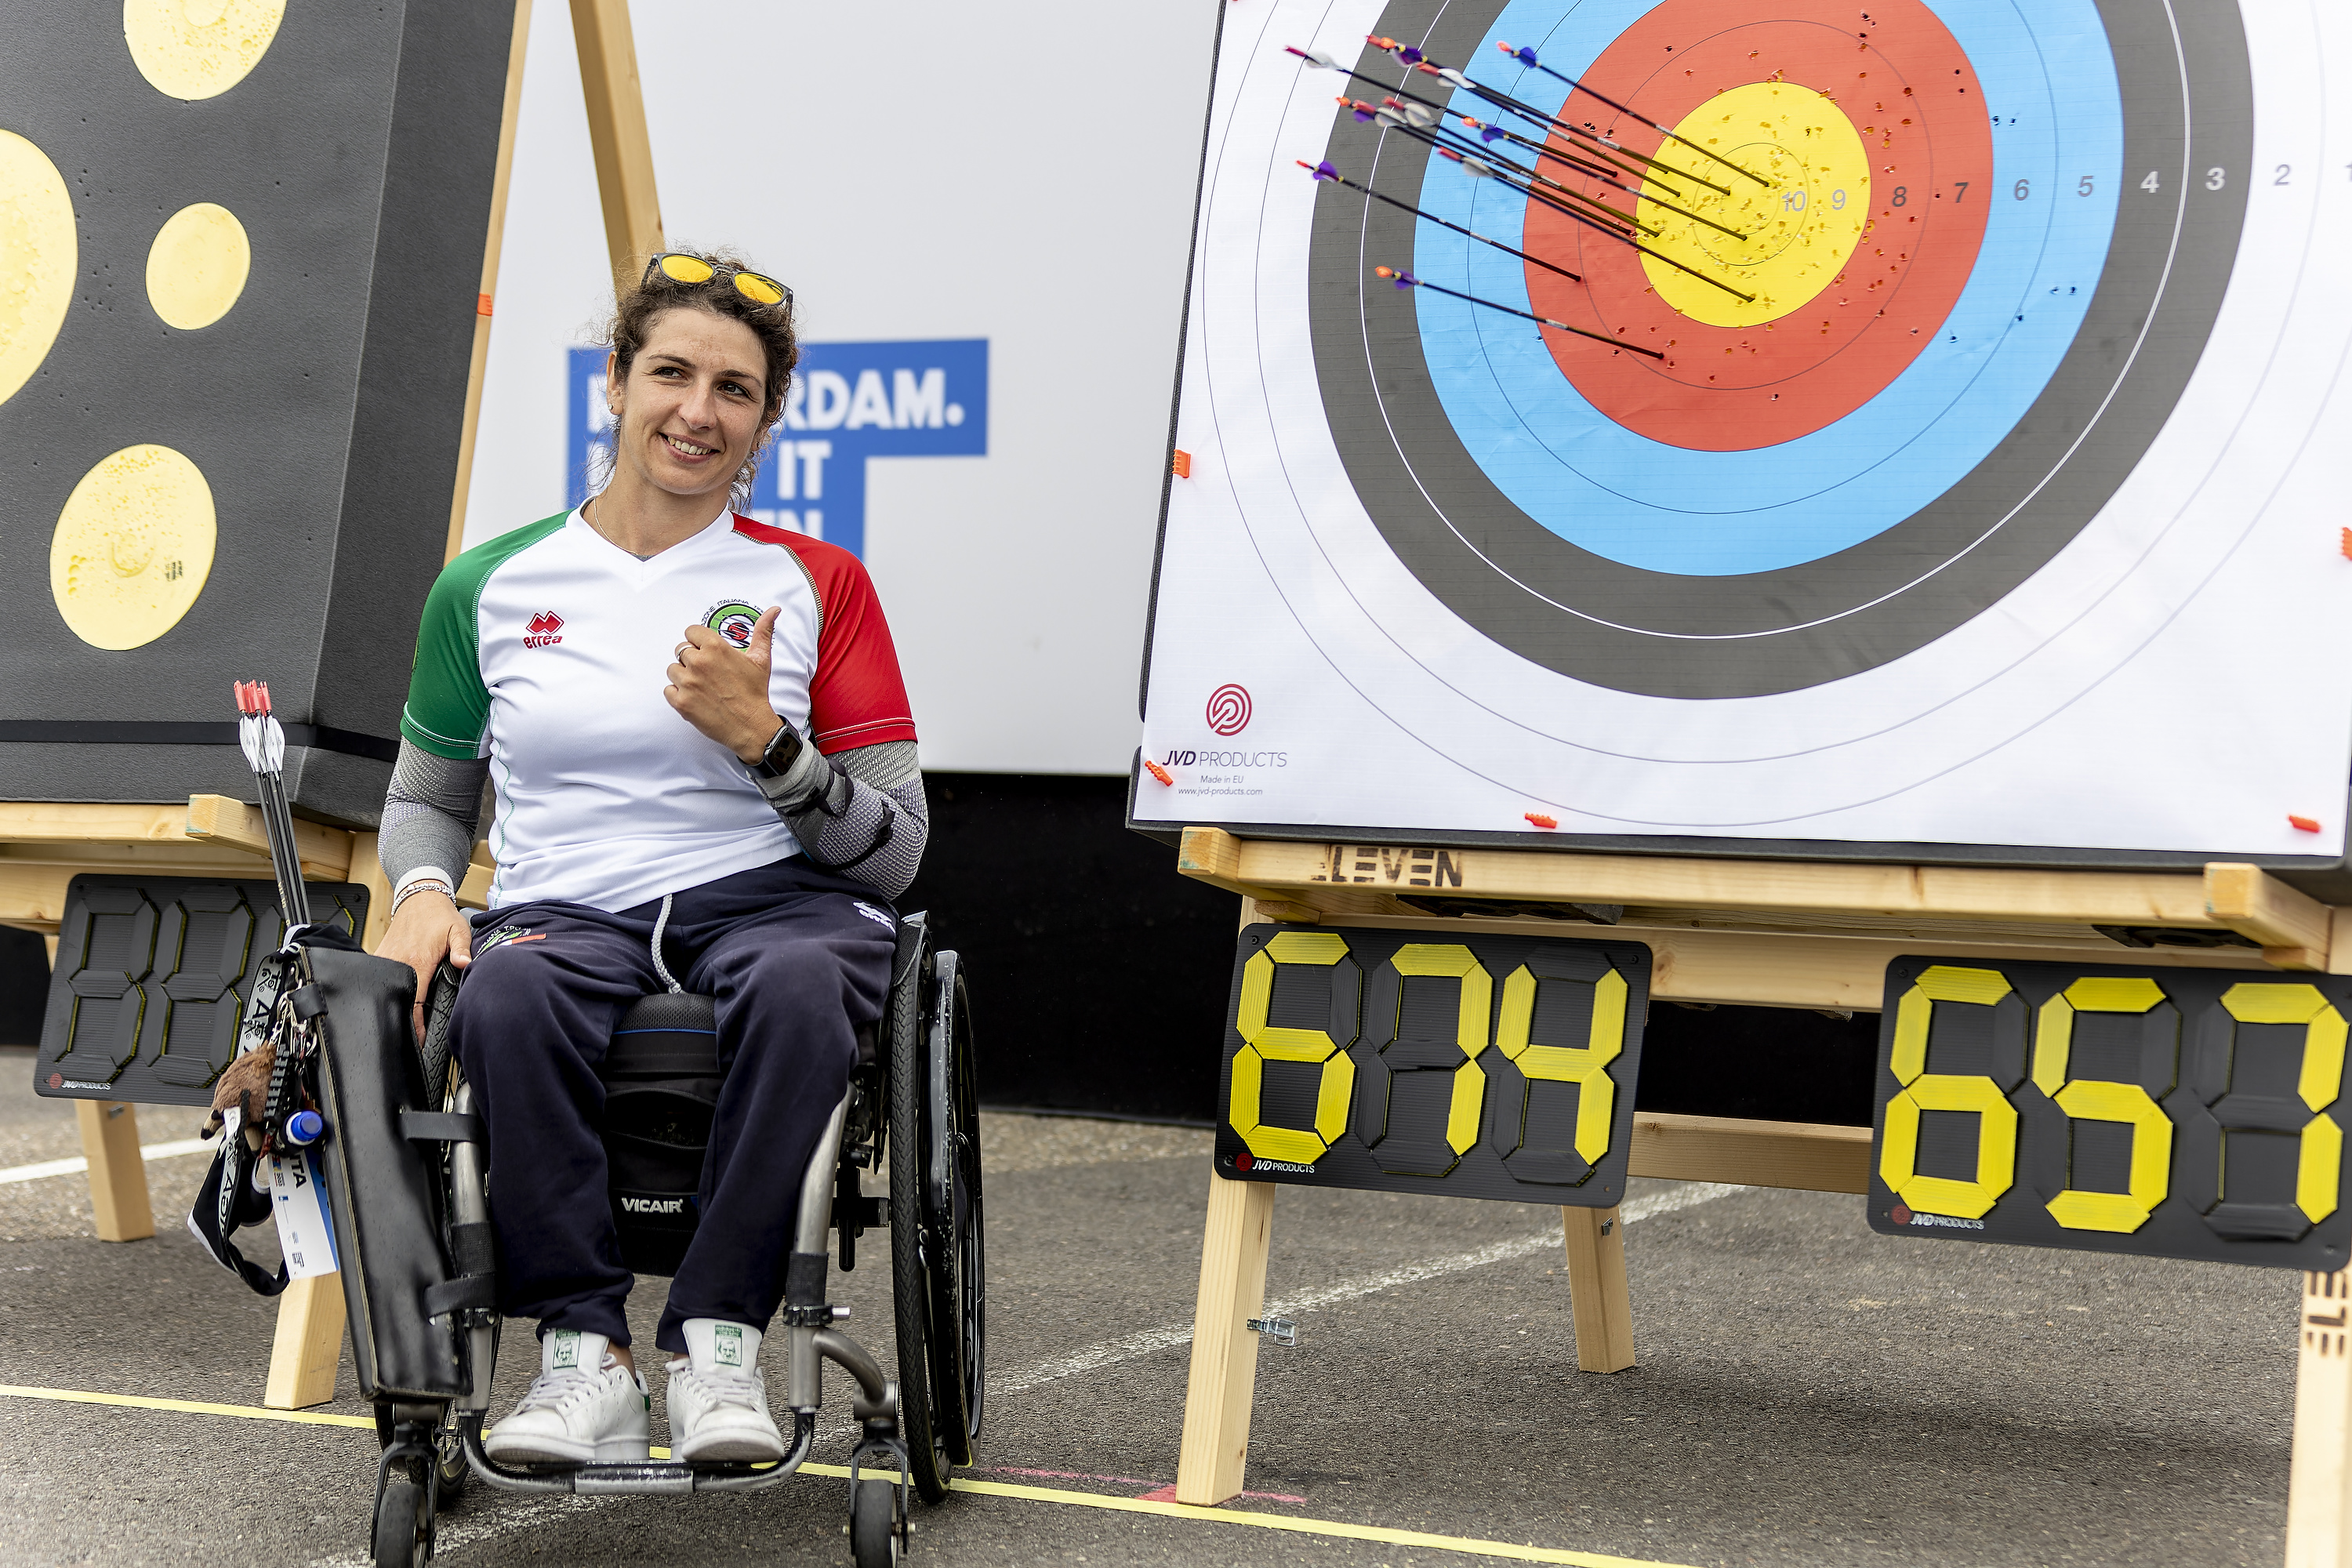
column 660, row 968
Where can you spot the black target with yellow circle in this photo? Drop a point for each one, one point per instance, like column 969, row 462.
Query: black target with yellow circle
column 240, row 251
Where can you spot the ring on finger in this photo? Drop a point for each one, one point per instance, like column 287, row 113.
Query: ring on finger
column 680, row 651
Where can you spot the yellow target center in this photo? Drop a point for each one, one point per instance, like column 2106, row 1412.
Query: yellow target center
column 37, row 258
column 1775, row 219
column 199, row 48
column 132, row 548
column 197, row 265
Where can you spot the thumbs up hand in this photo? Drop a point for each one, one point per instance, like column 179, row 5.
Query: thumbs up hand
column 722, row 690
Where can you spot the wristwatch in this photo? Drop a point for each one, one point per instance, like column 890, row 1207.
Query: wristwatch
column 778, row 759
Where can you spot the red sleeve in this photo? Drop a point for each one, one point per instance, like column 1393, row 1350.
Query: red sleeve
column 857, row 696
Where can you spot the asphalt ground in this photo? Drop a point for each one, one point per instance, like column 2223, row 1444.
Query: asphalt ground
column 1808, row 1391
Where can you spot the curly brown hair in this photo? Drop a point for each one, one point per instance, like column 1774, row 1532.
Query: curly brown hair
column 634, row 316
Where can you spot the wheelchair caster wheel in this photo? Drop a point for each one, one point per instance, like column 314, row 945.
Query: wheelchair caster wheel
column 874, row 1524
column 404, row 1526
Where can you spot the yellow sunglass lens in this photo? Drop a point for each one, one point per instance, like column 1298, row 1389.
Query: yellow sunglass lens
column 684, row 269
column 751, row 286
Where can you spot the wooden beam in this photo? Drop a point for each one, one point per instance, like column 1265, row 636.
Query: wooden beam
column 1802, row 969
column 368, row 872
column 2292, row 927
column 1273, row 869
column 33, row 898
column 1598, row 1301
column 516, row 51
column 326, row 852
column 117, row 1172
column 617, row 134
column 1213, row 856
column 2319, row 1477
column 1809, row 1156
column 309, row 1344
column 1223, row 1376
column 84, row 822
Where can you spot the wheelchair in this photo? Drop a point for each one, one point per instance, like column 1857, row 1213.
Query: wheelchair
column 912, row 1107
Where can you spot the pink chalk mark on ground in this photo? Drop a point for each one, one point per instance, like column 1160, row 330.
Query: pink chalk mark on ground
column 1162, row 1491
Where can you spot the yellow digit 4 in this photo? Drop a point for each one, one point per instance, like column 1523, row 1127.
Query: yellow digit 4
column 2100, row 1099
column 1263, row 1042
column 1898, row 1156
column 1587, row 1066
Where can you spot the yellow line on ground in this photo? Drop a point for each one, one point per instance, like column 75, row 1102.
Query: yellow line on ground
column 187, row 1406
column 1337, row 1528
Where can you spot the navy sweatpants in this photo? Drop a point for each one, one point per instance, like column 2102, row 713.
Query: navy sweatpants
column 796, row 964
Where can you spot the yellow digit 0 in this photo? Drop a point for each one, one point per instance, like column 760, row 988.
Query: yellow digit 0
column 2101, row 1100
column 1587, row 1066
column 1263, row 1042
column 1898, row 1159
column 2320, row 1149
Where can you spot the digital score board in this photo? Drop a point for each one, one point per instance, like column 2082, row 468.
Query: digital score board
column 1423, row 1061
column 151, row 977
column 2170, row 1113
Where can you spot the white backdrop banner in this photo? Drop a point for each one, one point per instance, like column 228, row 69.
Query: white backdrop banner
column 989, row 301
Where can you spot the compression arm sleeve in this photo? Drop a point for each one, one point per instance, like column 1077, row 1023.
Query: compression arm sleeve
column 430, row 814
column 860, row 812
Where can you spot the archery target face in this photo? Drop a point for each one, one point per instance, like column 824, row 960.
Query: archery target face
column 1991, row 361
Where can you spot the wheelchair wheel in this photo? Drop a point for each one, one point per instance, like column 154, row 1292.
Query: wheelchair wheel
column 937, row 1263
column 403, row 1523
column 873, row 1524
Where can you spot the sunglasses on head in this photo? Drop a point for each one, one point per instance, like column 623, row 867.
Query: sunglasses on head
column 680, row 268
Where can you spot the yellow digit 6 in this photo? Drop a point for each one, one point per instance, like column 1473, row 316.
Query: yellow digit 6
column 1263, row 1042
column 2099, row 1099
column 1898, row 1156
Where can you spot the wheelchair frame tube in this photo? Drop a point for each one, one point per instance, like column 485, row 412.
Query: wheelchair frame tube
column 469, row 1204
column 803, row 1369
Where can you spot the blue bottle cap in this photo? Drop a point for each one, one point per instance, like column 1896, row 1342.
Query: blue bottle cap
column 305, row 1127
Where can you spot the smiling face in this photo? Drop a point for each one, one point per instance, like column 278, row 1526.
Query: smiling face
column 692, row 405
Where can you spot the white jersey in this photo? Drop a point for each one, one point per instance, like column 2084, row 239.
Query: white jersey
column 545, row 651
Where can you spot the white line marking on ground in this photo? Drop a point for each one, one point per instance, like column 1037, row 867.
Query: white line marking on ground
column 1150, row 1340
column 77, row 1164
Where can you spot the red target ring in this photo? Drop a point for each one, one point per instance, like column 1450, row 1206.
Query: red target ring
column 1909, row 94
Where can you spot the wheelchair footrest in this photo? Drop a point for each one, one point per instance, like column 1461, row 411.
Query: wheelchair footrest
column 650, row 1476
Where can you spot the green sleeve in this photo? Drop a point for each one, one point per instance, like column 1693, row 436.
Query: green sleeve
column 449, row 707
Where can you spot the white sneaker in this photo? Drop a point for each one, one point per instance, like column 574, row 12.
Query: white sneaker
column 582, row 1405
column 718, row 1400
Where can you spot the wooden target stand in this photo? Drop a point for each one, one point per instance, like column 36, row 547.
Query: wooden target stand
column 1769, row 934
column 44, row 845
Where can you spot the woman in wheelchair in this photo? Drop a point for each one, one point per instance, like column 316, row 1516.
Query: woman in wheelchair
column 705, row 780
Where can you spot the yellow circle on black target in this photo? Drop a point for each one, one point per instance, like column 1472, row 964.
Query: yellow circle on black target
column 197, row 265
column 199, row 48
column 132, row 548
column 37, row 258
column 1790, row 231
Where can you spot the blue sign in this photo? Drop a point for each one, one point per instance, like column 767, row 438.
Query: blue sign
column 849, row 401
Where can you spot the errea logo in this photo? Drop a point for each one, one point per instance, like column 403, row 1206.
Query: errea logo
column 542, row 629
